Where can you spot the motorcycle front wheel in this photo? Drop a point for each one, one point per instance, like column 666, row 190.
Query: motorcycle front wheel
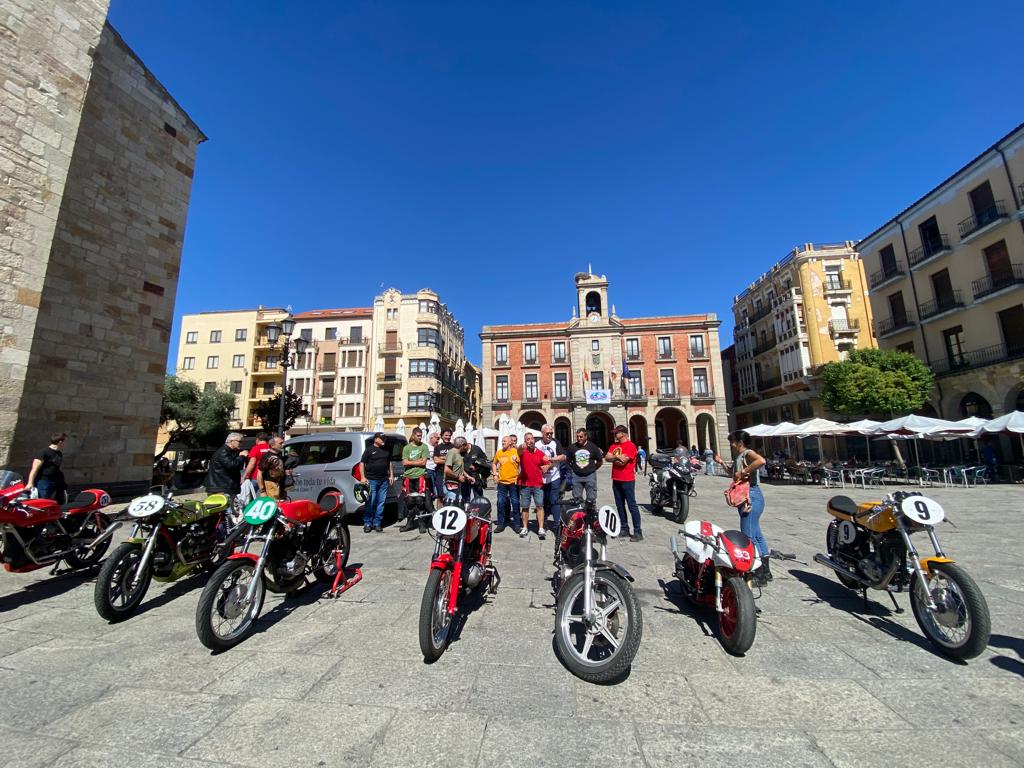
column 681, row 508
column 961, row 625
column 602, row 651
column 737, row 623
column 435, row 622
column 223, row 617
column 114, row 596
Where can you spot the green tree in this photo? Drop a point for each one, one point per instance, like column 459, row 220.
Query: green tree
column 192, row 417
column 876, row 382
column 267, row 411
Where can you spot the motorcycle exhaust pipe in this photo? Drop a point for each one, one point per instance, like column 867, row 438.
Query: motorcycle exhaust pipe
column 839, row 568
column 103, row 536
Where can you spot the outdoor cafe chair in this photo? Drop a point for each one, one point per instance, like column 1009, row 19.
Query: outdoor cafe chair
column 831, row 478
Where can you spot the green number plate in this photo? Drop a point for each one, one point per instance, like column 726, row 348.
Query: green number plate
column 259, row 510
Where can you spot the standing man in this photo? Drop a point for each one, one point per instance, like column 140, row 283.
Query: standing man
column 255, row 454
column 553, row 476
column 455, row 470
column 226, row 465
column 709, row 461
column 532, row 464
column 440, row 454
column 270, row 470
column 622, row 455
column 375, row 467
column 432, row 466
column 505, row 467
column 46, row 476
column 584, row 459
column 414, row 461
column 641, row 459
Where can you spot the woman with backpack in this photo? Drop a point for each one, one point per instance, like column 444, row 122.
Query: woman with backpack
column 745, row 469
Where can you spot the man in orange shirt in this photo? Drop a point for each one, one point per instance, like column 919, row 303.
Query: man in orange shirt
column 506, row 469
column 622, row 455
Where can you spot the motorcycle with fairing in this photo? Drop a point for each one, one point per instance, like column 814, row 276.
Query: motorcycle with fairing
column 870, row 547
column 598, row 624
column 295, row 539
column 671, row 485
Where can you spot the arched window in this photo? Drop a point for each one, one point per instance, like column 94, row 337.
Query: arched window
column 593, row 302
column 974, row 404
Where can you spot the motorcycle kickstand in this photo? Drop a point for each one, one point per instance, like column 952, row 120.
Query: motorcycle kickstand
column 864, row 597
column 895, row 605
column 495, row 580
column 335, row 590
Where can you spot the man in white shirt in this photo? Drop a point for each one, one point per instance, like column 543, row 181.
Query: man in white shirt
column 553, row 477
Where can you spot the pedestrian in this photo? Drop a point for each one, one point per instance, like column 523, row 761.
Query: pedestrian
column 376, row 468
column 584, row 459
column 255, row 454
column 532, row 464
column 622, row 455
column 431, row 466
column 226, row 465
column 641, row 459
column 440, row 454
column 270, row 472
column 745, row 468
column 478, row 469
column 455, row 470
column 553, row 478
column 414, row 463
column 46, row 475
column 163, row 472
column 505, row 466
column 709, row 461
column 693, row 452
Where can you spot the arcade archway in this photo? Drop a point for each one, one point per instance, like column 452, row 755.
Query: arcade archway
column 563, row 431
column 706, row 437
column 638, row 432
column 599, row 430
column 670, row 426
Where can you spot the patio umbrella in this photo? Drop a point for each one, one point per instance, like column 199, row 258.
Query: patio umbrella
column 400, row 427
column 460, row 429
column 378, row 424
column 863, row 427
column 423, row 428
column 1011, row 422
column 917, row 426
column 818, row 427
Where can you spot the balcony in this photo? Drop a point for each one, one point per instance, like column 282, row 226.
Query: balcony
column 994, row 283
column 838, row 286
column 934, row 247
column 769, row 382
column 843, row 328
column 531, row 399
column 665, row 356
column 501, row 363
column 792, row 296
column 760, row 314
column 890, row 325
column 883, row 276
column 389, row 348
column 669, row 397
column 701, row 396
column 560, row 360
column 529, row 361
column 978, row 358
column 327, row 370
column 941, row 305
column 325, row 395
column 388, row 410
column 697, row 354
column 766, row 345
column 981, row 219
column 637, row 398
column 389, row 379
column 633, row 358
column 261, row 369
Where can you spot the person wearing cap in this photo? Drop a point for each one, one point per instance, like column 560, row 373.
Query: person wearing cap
column 622, row 456
column 375, row 467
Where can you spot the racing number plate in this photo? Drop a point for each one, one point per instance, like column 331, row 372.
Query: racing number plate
column 449, row 521
column 608, row 519
column 922, row 510
column 259, row 510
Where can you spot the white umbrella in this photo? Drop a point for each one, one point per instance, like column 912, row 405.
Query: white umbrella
column 488, row 432
column 863, row 427
column 520, row 433
column 400, row 427
column 423, row 428
column 1011, row 422
column 760, row 430
column 817, row 427
column 460, row 429
column 478, row 438
column 469, row 427
column 918, row 426
column 378, row 424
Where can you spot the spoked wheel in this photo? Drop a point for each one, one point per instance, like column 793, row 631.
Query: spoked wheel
column 681, row 508
column 960, row 626
column 223, row 617
column 435, row 621
column 737, row 623
column 115, row 596
column 89, row 531
column 335, row 537
column 602, row 649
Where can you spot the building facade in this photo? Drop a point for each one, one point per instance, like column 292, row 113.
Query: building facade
column 947, row 283
column 660, row 375
column 809, row 309
column 97, row 161
column 417, row 361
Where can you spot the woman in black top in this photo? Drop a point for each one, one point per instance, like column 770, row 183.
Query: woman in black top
column 46, row 475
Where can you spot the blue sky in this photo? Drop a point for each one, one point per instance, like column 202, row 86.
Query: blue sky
column 491, row 150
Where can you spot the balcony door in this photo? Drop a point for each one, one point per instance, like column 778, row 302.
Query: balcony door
column 390, row 368
column 888, row 259
column 954, row 341
column 942, row 286
column 997, row 259
column 931, row 238
column 390, row 339
column 982, row 201
column 1012, row 322
column 897, row 309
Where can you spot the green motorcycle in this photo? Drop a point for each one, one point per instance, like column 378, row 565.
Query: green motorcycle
column 170, row 539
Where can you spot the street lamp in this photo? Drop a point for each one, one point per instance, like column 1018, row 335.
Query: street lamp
column 283, row 333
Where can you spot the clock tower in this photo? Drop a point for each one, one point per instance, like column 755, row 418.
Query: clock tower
column 592, row 299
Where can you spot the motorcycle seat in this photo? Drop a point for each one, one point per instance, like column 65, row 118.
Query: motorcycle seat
column 82, row 500
column 844, row 505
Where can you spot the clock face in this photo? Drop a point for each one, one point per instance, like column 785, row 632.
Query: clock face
column 594, row 317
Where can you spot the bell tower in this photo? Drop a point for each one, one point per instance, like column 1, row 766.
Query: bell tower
column 592, row 298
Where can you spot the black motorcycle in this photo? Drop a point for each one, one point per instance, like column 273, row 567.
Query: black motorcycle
column 671, row 485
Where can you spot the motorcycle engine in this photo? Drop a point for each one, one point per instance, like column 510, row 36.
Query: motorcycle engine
column 196, row 544
column 293, row 567
column 473, row 575
column 49, row 538
column 852, row 553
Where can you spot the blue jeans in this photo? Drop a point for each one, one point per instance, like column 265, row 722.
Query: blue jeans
column 625, row 494
column 47, row 489
column 709, row 467
column 508, row 505
column 373, row 511
column 552, row 492
column 750, row 520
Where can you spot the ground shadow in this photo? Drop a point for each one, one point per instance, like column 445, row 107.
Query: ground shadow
column 177, row 589
column 1015, row 644
column 673, row 592
column 43, row 590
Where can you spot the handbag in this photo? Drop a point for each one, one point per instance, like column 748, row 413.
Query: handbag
column 738, row 493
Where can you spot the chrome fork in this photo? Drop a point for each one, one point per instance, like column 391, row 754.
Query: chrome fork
column 588, row 579
column 916, row 563
column 260, row 562
column 147, row 554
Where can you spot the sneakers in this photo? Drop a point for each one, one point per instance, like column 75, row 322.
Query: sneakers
column 542, row 534
column 524, row 532
column 378, row 529
column 637, row 537
column 367, row 528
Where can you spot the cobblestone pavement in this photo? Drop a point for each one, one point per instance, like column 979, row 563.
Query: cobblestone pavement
column 335, row 682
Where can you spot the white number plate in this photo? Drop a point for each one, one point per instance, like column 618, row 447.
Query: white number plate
column 144, row 506
column 922, row 510
column 608, row 519
column 449, row 521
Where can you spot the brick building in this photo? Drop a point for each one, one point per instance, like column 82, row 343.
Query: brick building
column 97, row 162
column 571, row 374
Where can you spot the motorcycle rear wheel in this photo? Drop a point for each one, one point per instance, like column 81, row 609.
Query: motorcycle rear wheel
column 336, row 536
column 221, row 603
column 961, row 629
column 435, row 623
column 114, row 597
column 681, row 508
column 737, row 624
column 831, row 537
column 87, row 561
column 603, row 653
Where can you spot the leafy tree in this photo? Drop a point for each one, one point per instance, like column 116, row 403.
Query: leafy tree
column 192, row 417
column 876, row 382
column 267, row 411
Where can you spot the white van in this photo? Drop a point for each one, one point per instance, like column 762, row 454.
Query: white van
column 327, row 462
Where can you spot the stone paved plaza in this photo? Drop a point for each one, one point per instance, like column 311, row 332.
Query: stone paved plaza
column 343, row 683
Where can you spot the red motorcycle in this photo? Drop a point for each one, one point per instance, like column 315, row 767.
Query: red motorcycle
column 415, row 498
column 461, row 562
column 38, row 532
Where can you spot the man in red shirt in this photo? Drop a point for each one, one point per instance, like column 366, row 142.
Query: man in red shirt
column 622, row 456
column 255, row 454
column 532, row 464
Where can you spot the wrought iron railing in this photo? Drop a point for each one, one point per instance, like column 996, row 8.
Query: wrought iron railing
column 932, row 247
column 981, row 218
column 941, row 304
column 889, row 325
column 883, row 275
column 996, row 281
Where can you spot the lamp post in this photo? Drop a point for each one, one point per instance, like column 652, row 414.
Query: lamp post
column 283, row 333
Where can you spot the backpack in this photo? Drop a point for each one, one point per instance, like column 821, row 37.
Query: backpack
column 271, row 467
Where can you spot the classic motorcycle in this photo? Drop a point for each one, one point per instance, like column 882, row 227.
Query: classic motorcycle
column 38, row 532
column 461, row 563
column 714, row 569
column 598, row 624
column 869, row 547
column 297, row 538
column 169, row 540
column 671, row 485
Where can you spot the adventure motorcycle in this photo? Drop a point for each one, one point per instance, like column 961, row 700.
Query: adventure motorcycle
column 38, row 532
column 298, row 538
column 714, row 569
column 869, row 546
column 671, row 485
column 415, row 500
column 169, row 539
column 461, row 563
column 598, row 624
